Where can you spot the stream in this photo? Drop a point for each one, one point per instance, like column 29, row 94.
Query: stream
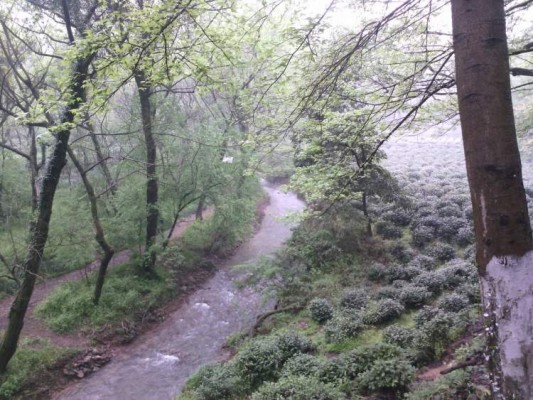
column 157, row 365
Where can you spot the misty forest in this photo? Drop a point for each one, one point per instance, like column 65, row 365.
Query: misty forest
column 266, row 200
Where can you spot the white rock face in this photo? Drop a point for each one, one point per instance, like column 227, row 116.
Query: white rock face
column 508, row 298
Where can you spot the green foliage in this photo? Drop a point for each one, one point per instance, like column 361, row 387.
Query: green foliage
column 126, row 295
column 363, row 358
column 216, row 382
column 354, row 299
column 31, row 359
column 414, row 296
column 455, row 385
column 262, row 359
column 390, row 375
column 320, row 310
column 342, row 327
column 382, row 311
column 399, row 335
column 298, row 388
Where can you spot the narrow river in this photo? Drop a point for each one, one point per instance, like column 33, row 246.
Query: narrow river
column 156, row 366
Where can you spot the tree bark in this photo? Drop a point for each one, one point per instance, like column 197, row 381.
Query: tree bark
column 40, row 226
column 501, row 220
column 98, row 229
column 152, row 212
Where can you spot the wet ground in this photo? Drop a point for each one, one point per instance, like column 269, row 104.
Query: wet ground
column 156, row 366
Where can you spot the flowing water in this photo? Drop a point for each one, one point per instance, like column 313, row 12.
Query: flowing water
column 155, row 367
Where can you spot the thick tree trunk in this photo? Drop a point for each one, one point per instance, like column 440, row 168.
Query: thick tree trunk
column 98, row 229
column 501, row 221
column 40, row 226
column 152, row 212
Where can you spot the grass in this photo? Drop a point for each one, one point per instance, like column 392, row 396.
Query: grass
column 127, row 293
column 32, row 357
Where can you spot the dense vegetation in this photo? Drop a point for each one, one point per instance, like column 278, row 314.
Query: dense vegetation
column 375, row 309
column 119, row 118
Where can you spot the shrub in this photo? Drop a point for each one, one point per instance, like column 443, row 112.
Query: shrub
column 414, row 296
column 458, row 271
column 398, row 217
column 453, row 302
column 354, row 299
column 471, row 291
column 388, row 292
column 320, row 310
column 216, row 382
column 302, row 365
column 401, row 272
column 393, row 375
column 422, row 235
column 343, row 327
column 290, row 344
column 437, row 333
column 450, row 210
column 376, row 272
column 465, row 236
column 441, row 251
column 298, row 388
column 387, row 230
column 401, row 252
column 425, row 315
column 363, row 358
column 399, row 335
column 423, row 261
column 433, row 280
column 382, row 311
column 260, row 361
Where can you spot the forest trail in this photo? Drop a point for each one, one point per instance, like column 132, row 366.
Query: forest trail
column 34, row 327
column 157, row 364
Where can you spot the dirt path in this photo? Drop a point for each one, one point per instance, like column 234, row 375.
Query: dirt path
column 35, row 327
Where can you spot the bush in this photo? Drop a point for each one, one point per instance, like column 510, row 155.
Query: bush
column 458, row 271
column 423, row 261
column 414, row 296
column 401, row 272
column 471, row 291
column 438, row 333
column 401, row 252
column 298, row 388
column 465, row 236
column 216, row 382
column 343, row 327
column 393, row 375
column 450, row 210
column 363, row 358
column 388, row 292
column 433, row 280
column 382, row 311
column 422, row 235
column 263, row 359
column 426, row 314
column 303, row 365
column 387, row 230
column 441, row 251
column 354, row 299
column 290, row 344
column 398, row 217
column 399, row 335
column 320, row 310
column 376, row 272
column 453, row 302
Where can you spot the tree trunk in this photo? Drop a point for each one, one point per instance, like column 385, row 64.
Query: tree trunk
column 111, row 184
column 98, row 229
column 501, row 221
column 152, row 212
column 40, row 226
column 200, row 209
column 367, row 215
